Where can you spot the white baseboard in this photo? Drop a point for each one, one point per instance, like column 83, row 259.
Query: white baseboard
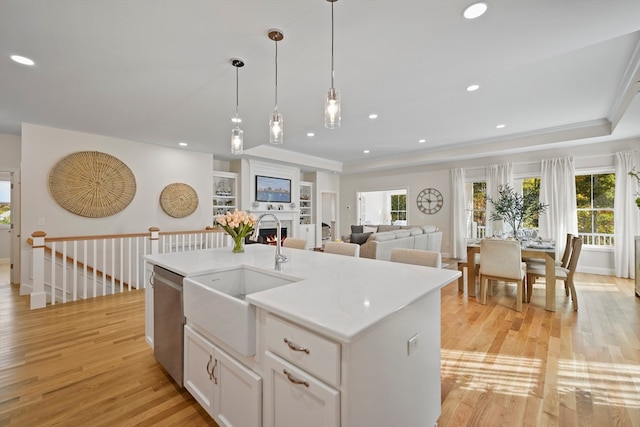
column 596, row 270
column 26, row 288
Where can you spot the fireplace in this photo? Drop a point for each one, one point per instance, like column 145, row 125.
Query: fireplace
column 267, row 236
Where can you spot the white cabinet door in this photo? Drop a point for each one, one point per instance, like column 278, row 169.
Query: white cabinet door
column 238, row 393
column 199, row 367
column 308, row 232
column 228, row 391
column 293, row 398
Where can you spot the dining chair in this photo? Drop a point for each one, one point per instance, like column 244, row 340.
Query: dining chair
column 562, row 273
column 342, row 248
column 417, row 257
column 292, row 242
column 563, row 262
column 502, row 260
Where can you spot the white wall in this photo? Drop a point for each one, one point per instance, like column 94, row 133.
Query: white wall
column 153, row 166
column 413, row 181
column 592, row 157
column 10, row 149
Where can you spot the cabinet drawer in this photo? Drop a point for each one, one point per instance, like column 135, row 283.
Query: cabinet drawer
column 292, row 398
column 305, row 349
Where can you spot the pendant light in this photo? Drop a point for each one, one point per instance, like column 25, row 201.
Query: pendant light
column 332, row 105
column 237, row 134
column 276, row 123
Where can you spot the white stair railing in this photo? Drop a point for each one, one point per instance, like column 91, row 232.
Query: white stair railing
column 70, row 268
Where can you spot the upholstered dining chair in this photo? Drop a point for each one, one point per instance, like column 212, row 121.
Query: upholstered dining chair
column 501, row 260
column 564, row 274
column 292, row 242
column 417, row 257
column 342, row 248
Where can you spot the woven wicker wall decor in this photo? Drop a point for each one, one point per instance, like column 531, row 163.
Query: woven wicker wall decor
column 178, row 200
column 92, row 184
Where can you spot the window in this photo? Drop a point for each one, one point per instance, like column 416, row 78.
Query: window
column 398, row 208
column 594, row 200
column 525, row 186
column 476, row 197
column 5, row 203
column 382, row 207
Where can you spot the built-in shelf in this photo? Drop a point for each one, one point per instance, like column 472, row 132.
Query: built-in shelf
column 225, row 192
column 306, row 203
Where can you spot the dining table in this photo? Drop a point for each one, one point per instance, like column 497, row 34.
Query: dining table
column 537, row 250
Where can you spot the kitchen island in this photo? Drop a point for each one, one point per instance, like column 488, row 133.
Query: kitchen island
column 350, row 342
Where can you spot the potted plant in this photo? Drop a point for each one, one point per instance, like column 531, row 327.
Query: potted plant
column 513, row 208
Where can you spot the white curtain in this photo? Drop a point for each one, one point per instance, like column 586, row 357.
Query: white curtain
column 626, row 215
column 497, row 175
column 558, row 190
column 459, row 218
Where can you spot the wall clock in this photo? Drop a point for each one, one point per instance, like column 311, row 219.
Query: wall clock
column 429, row 200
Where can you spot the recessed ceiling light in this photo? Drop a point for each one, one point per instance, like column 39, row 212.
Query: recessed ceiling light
column 500, row 126
column 422, row 141
column 366, row 151
column 182, row 144
column 373, row 116
column 236, row 120
column 475, row 10
column 472, row 88
column 22, row 60
column 310, row 134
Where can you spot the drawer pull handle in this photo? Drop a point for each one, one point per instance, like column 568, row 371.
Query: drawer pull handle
column 209, row 371
column 213, row 372
column 293, row 346
column 294, row 380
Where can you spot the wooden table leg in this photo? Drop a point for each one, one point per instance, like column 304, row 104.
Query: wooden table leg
column 461, row 266
column 550, row 281
column 471, row 270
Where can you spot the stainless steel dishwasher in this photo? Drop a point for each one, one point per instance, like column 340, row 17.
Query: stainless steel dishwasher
column 168, row 322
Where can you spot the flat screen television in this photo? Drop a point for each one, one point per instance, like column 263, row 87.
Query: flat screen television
column 271, row 189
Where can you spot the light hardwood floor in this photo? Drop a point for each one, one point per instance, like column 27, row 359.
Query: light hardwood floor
column 87, row 364
column 4, row 272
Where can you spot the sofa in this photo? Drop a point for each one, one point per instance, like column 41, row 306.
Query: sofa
column 376, row 242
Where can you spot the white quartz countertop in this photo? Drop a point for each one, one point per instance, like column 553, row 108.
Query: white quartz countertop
column 337, row 296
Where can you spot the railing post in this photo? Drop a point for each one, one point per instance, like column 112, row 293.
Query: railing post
column 38, row 295
column 154, row 237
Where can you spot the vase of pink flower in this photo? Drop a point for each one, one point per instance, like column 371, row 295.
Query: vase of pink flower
column 238, row 225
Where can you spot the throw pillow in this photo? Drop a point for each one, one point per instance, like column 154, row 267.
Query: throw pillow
column 369, row 229
column 359, row 238
column 387, row 227
column 356, row 229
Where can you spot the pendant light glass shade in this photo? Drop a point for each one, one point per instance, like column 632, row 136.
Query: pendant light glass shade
column 332, row 109
column 332, row 116
column 276, row 122
column 276, row 128
column 237, row 134
column 237, row 139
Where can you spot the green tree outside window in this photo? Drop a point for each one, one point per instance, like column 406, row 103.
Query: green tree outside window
column 398, row 207
column 594, row 201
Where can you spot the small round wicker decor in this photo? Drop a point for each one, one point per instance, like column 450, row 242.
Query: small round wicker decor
column 92, row 184
column 179, row 200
